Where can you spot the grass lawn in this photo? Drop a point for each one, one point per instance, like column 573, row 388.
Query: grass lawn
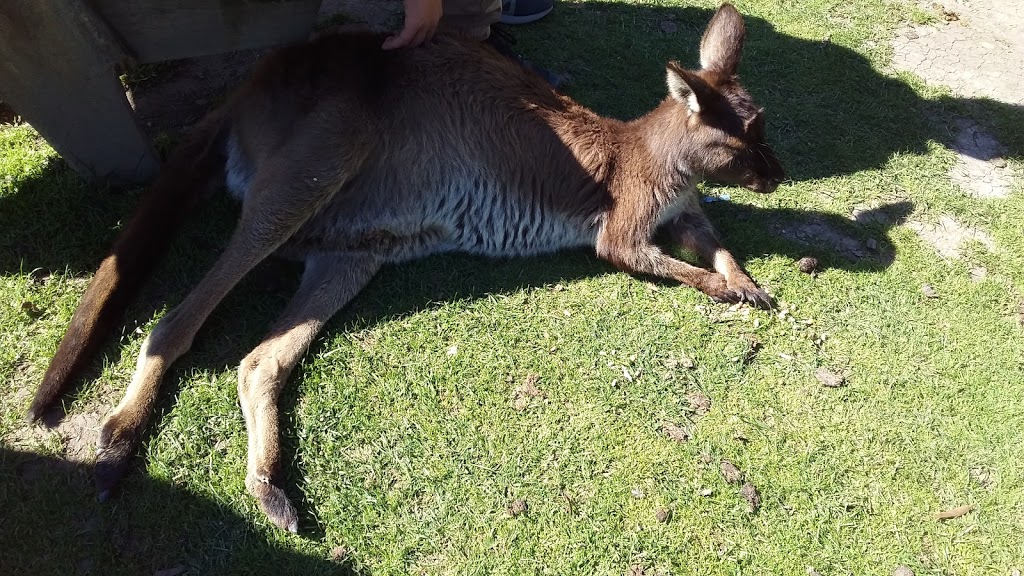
column 455, row 387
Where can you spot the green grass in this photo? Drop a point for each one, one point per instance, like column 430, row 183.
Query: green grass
column 408, row 455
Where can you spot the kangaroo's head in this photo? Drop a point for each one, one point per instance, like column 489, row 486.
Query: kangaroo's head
column 725, row 124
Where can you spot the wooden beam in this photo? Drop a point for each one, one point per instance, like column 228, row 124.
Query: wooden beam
column 157, row 30
column 58, row 70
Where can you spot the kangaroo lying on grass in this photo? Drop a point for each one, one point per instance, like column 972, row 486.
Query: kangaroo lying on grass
column 347, row 157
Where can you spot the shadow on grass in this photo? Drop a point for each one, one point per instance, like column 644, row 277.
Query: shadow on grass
column 53, row 525
column 829, row 113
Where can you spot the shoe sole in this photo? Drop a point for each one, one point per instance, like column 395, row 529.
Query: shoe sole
column 515, row 20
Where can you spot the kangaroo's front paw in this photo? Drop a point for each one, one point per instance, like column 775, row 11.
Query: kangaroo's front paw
column 747, row 291
column 119, row 439
column 273, row 502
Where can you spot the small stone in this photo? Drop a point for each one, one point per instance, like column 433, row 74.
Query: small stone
column 707, row 492
column 807, row 264
column 669, row 27
column 902, row 571
column 872, row 244
column 662, row 515
column 750, row 494
column 999, row 162
column 929, row 291
column 517, row 507
column 1015, row 572
column 730, row 472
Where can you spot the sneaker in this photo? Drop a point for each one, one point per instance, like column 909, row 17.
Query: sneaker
column 502, row 41
column 524, row 11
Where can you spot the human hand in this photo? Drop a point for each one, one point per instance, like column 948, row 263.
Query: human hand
column 421, row 18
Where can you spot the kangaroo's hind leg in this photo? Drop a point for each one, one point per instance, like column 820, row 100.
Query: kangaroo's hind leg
column 278, row 202
column 329, row 282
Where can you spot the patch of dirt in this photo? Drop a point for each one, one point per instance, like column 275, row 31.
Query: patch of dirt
column 948, row 235
column 526, row 392
column 77, row 433
column 977, row 55
column 816, row 232
column 980, row 170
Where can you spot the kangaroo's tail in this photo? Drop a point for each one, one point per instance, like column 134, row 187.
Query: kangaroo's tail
column 171, row 199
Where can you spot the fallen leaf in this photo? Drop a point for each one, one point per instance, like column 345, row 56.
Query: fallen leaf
column 339, row 554
column 752, row 496
column 730, row 472
column 675, row 432
column 954, row 512
column 828, row 378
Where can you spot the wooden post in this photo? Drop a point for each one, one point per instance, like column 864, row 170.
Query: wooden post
column 58, row 70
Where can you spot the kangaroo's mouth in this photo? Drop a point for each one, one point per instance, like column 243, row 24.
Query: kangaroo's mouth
column 763, row 185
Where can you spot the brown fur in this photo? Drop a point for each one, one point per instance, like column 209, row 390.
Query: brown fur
column 348, row 157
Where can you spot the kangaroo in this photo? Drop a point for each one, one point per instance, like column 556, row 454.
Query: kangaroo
column 347, row 158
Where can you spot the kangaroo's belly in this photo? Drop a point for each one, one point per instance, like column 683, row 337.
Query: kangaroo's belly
column 469, row 212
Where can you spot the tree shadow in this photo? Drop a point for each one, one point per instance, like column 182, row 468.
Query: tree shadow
column 53, row 525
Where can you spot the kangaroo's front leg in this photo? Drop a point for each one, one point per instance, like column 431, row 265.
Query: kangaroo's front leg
column 328, row 283
column 625, row 242
column 693, row 231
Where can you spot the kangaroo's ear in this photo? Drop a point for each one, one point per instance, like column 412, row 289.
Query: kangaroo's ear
column 722, row 44
column 687, row 87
